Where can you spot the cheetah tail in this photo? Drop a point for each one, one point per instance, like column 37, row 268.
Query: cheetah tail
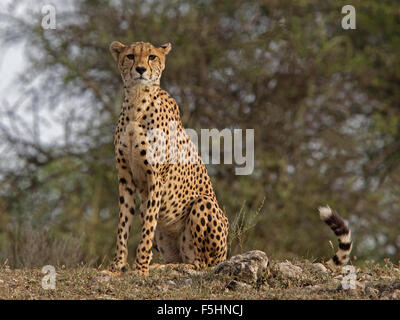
column 339, row 227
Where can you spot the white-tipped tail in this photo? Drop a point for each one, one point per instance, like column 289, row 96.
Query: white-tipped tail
column 325, row 212
column 339, row 227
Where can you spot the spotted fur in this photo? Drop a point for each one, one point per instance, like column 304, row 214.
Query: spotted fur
column 179, row 212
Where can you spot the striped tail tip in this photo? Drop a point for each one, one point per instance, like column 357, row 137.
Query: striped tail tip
column 343, row 233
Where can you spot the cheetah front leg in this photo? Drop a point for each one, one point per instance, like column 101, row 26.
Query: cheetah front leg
column 149, row 224
column 126, row 212
column 127, row 192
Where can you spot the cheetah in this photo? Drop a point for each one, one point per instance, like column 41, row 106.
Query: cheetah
column 155, row 158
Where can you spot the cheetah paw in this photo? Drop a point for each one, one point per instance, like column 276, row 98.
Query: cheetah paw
column 141, row 271
column 118, row 268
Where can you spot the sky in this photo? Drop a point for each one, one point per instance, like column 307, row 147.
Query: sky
column 13, row 63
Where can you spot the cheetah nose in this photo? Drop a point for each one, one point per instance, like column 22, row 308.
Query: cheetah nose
column 140, row 70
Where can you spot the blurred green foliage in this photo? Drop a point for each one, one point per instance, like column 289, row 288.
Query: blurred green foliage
column 324, row 103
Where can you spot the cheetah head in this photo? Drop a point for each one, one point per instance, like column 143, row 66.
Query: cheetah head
column 140, row 62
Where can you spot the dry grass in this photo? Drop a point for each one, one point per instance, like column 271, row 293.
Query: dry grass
column 34, row 247
column 178, row 282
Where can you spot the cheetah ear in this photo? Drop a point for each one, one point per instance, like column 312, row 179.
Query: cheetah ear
column 116, row 49
column 166, row 48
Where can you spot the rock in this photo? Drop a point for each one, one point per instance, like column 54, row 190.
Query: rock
column 360, row 285
column 290, row 270
column 319, row 267
column 104, row 279
column 194, row 272
column 104, row 276
column 171, row 283
column 371, row 291
column 159, row 288
column 247, row 267
column 13, row 283
column 313, row 288
column 188, row 281
column 386, row 294
column 234, row 285
column 366, row 277
column 396, row 294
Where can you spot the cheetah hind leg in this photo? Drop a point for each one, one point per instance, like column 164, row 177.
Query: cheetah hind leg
column 204, row 240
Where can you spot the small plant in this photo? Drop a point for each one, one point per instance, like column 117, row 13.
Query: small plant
column 242, row 224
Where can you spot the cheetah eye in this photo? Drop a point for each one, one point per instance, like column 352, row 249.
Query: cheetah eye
column 131, row 56
column 152, row 57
